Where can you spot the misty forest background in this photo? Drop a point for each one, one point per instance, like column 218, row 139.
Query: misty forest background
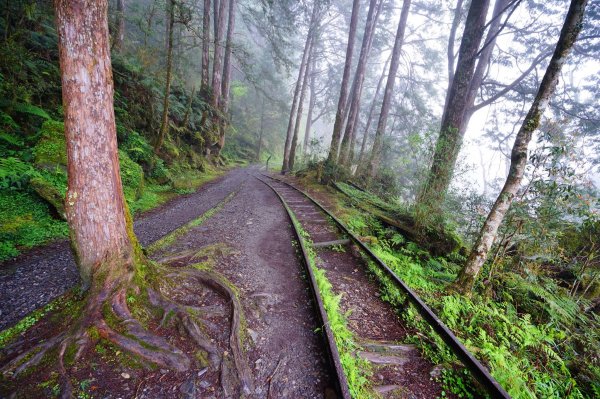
column 269, row 87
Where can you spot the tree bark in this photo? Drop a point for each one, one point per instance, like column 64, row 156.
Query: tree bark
column 120, row 33
column 518, row 160
column 311, row 104
column 225, row 88
column 292, row 159
column 359, row 78
column 219, row 26
column 451, row 40
column 95, row 205
column 262, row 129
column 449, row 141
column 370, row 117
column 375, row 157
column 303, row 66
column 343, row 99
column 205, row 46
column 164, row 124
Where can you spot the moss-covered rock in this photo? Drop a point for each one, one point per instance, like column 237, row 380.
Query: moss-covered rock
column 132, row 177
column 50, row 193
column 50, row 151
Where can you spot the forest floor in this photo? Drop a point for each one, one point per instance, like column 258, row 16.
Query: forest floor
column 236, row 228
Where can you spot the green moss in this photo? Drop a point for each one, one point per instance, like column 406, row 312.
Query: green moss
column 51, row 149
column 170, row 238
column 26, row 221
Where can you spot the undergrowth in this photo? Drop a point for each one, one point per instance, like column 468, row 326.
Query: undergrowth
column 528, row 333
column 356, row 369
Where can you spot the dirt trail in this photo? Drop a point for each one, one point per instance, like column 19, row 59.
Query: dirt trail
column 249, row 242
column 37, row 277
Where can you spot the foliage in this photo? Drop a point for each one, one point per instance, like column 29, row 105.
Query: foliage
column 530, row 332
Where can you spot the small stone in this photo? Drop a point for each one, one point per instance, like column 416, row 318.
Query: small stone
column 164, row 371
column 125, row 375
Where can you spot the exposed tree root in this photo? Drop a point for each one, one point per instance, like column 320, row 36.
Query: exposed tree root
column 107, row 315
column 235, row 344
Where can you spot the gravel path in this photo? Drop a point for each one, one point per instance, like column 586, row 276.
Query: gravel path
column 37, row 277
column 254, row 239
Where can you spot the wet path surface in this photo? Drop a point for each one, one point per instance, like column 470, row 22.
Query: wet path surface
column 249, row 241
column 39, row 276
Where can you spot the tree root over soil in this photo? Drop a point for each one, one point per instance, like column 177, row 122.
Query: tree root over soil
column 107, row 316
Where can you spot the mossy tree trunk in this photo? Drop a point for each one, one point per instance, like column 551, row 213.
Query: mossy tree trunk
column 343, row 98
column 518, row 159
column 375, row 156
column 95, row 205
column 449, row 141
column 164, row 124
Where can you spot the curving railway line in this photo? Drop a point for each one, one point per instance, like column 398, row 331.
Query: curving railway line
column 398, row 369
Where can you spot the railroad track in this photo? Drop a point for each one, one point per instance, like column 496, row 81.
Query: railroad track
column 329, row 245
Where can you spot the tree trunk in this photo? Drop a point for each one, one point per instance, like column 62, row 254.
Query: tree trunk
column 483, row 61
column 375, row 157
column 226, row 75
column 188, row 109
column 359, row 78
column 164, row 124
column 262, row 129
column 120, row 33
column 205, row 47
column 219, row 26
column 95, row 204
column 518, row 159
column 303, row 66
column 292, row 159
column 450, row 138
column 451, row 40
column 311, row 105
column 370, row 117
column 343, row 99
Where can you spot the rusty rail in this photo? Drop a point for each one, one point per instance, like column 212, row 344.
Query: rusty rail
column 332, row 350
column 479, row 372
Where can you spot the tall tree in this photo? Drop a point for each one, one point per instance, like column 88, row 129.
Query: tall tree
column 359, row 78
column 311, row 103
column 361, row 155
column 375, row 157
column 301, row 72
column 343, row 98
column 225, row 87
column 95, row 205
column 219, row 27
column 292, row 156
column 120, row 25
column 205, row 47
column 455, row 111
column 518, row 159
column 164, row 124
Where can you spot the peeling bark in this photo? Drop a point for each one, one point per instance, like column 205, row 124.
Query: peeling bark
column 95, row 205
column 518, row 159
